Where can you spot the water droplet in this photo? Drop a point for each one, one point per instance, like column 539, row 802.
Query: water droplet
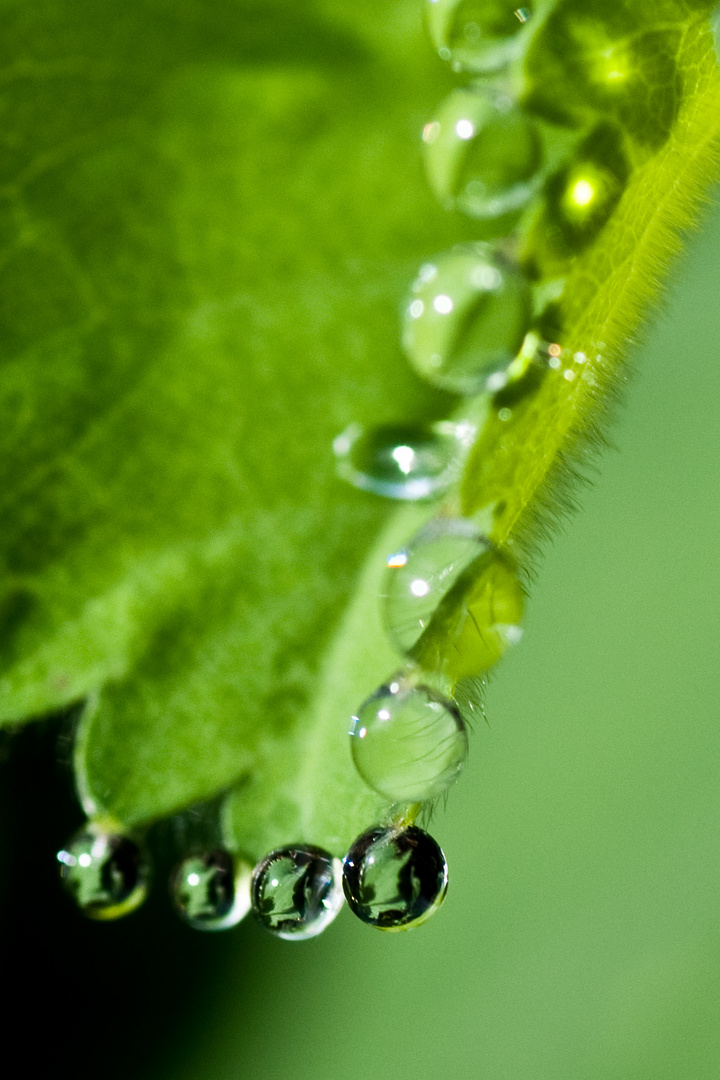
column 598, row 58
column 297, row 892
column 401, row 461
column 211, row 891
column 395, row 878
column 476, row 310
column 582, row 196
column 453, row 602
column 408, row 742
column 482, row 154
column 107, row 874
column 476, row 35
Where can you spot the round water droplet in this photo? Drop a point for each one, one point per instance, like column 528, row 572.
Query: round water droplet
column 297, row 892
column 476, row 35
column 482, row 154
column 395, row 878
column 466, row 317
column 401, row 461
column 211, row 891
column 107, row 874
column 582, row 196
column 453, row 602
column 408, row 742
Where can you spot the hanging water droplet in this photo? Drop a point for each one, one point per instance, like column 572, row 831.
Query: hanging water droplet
column 297, row 892
column 408, row 742
column 466, row 317
column 476, row 35
column 401, row 461
column 107, row 874
column 482, row 154
column 211, row 891
column 453, row 602
column 395, row 878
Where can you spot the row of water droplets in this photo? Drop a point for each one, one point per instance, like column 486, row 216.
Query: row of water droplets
column 474, row 322
column 391, row 877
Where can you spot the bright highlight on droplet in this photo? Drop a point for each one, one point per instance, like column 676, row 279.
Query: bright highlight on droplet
column 420, row 587
column 398, row 560
column 464, row 129
column 405, row 456
column 583, row 193
column 443, row 304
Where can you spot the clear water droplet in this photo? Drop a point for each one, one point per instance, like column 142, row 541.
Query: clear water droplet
column 476, row 310
column 482, row 154
column 107, row 874
column 211, row 890
column 408, row 742
column 453, row 602
column 401, row 461
column 395, row 878
column 476, row 35
column 297, row 892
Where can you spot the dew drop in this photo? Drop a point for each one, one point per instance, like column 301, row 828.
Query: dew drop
column 297, row 892
column 408, row 742
column 395, row 878
column 476, row 310
column 476, row 35
column 211, row 891
column 482, row 154
column 107, row 874
column 580, row 201
column 453, row 602
column 401, row 461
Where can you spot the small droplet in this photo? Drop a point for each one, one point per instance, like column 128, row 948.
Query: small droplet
column 408, row 742
column 476, row 35
column 581, row 197
column 107, row 874
column 475, row 312
column 297, row 892
column 395, row 878
column 453, row 602
column 482, row 154
column 211, row 891
column 401, row 461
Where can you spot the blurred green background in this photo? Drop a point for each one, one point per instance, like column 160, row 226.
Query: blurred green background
column 580, row 937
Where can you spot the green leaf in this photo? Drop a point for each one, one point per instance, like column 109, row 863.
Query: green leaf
column 206, row 242
column 209, row 217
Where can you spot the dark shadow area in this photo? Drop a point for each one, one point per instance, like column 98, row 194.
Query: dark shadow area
column 107, row 999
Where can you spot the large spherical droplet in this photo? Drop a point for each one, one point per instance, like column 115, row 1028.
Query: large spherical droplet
column 297, row 892
column 408, row 742
column 107, row 874
column 465, row 318
column 451, row 577
column 395, row 878
column 401, row 461
column 211, row 891
column 476, row 35
column 482, row 154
